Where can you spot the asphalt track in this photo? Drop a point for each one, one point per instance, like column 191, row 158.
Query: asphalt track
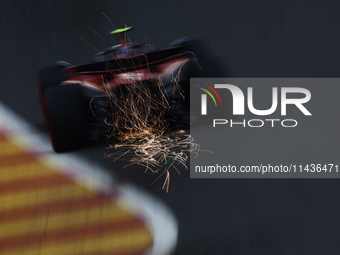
column 258, row 39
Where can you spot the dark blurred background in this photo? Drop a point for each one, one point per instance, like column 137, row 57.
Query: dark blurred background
column 257, row 39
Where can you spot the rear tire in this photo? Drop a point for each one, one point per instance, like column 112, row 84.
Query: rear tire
column 67, row 117
column 49, row 77
column 199, row 48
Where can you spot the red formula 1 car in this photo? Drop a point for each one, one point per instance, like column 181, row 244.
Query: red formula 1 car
column 76, row 99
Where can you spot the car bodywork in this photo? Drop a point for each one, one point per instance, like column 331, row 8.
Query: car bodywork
column 73, row 98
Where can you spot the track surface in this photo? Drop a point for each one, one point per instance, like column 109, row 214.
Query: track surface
column 258, row 39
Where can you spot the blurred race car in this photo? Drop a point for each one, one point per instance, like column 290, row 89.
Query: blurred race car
column 69, row 94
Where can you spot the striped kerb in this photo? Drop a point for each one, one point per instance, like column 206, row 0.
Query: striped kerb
column 44, row 212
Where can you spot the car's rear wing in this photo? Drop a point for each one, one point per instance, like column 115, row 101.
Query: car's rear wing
column 143, row 61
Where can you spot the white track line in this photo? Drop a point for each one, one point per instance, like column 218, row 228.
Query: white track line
column 87, row 173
